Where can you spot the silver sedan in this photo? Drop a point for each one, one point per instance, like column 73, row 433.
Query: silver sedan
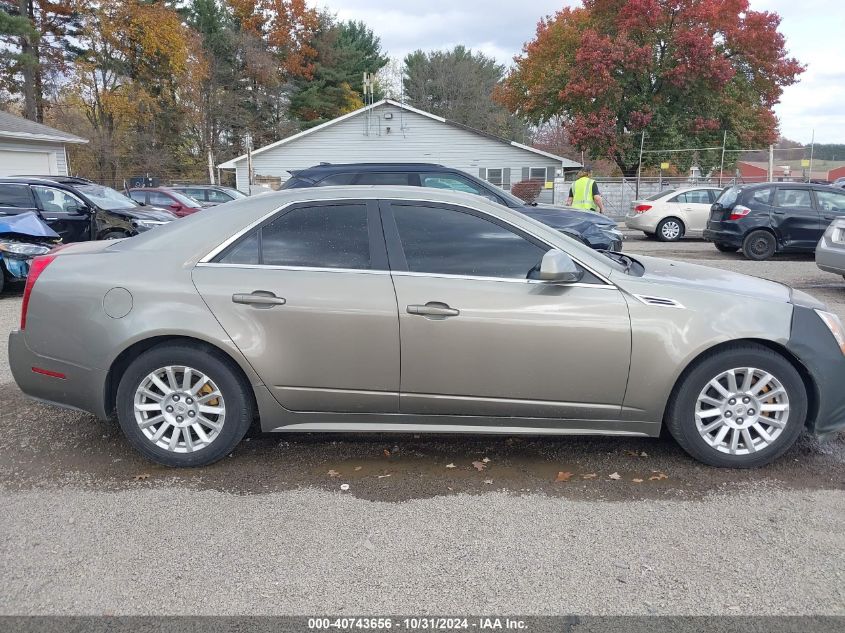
column 830, row 252
column 408, row 310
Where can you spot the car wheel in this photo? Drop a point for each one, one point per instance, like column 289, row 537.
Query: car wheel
column 670, row 230
column 183, row 406
column 114, row 235
column 759, row 245
column 741, row 407
column 725, row 248
column 648, row 236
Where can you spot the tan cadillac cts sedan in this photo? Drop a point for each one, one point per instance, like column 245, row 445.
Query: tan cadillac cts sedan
column 411, row 310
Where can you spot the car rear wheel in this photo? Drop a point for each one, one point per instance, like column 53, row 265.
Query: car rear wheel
column 670, row 230
column 183, row 406
column 742, row 407
column 759, row 245
column 725, row 248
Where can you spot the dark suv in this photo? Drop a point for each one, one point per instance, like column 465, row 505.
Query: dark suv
column 78, row 209
column 593, row 229
column 767, row 218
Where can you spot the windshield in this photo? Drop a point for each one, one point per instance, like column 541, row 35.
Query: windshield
column 235, row 193
column 106, row 197
column 188, row 201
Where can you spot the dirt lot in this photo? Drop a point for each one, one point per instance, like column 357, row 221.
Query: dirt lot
column 637, row 527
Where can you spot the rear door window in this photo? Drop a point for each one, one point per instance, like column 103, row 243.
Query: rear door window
column 384, row 178
column 793, row 198
column 831, row 202
column 332, row 180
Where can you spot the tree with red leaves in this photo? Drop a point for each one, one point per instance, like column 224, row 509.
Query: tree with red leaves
column 676, row 69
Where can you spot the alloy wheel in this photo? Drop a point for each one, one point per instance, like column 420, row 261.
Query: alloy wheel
column 179, row 409
column 742, row 411
column 671, row 230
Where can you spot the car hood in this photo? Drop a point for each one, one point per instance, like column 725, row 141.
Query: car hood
column 26, row 224
column 667, row 273
column 566, row 218
column 144, row 213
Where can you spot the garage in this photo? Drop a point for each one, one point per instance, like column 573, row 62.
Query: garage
column 30, row 148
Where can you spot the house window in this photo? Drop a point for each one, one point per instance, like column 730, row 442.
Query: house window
column 537, row 173
column 495, row 177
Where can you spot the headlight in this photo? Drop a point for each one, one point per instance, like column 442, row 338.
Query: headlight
column 23, row 249
column 834, row 324
column 145, row 225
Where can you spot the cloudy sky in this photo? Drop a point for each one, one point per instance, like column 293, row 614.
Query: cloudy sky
column 814, row 30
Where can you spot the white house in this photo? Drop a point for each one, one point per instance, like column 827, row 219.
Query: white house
column 388, row 131
column 30, row 148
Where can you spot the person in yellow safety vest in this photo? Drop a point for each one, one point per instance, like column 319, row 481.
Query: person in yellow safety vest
column 584, row 193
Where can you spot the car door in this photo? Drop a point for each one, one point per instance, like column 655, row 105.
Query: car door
column 64, row 212
column 481, row 338
column 15, row 199
column 695, row 210
column 796, row 218
column 308, row 299
column 831, row 205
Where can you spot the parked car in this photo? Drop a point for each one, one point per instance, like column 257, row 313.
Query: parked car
column 209, row 195
column 768, row 218
column 78, row 209
column 400, row 310
column 674, row 213
column 593, row 229
column 830, row 252
column 839, row 182
column 22, row 237
column 177, row 203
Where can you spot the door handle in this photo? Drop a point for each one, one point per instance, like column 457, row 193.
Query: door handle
column 433, row 308
column 776, row 212
column 259, row 298
column 830, row 217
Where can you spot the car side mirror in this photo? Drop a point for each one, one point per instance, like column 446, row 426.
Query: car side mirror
column 558, row 268
column 78, row 209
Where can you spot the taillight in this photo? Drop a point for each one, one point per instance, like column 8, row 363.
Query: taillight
column 739, row 212
column 642, row 208
column 35, row 269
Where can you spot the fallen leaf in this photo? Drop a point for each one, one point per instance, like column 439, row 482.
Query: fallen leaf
column 141, row 477
column 615, row 476
column 563, row 476
column 658, row 477
column 488, row 481
column 633, row 453
column 637, row 481
column 485, row 460
column 479, row 466
column 344, row 486
column 386, row 453
column 589, row 476
column 333, row 473
column 643, row 454
column 450, row 466
column 383, row 476
column 358, row 467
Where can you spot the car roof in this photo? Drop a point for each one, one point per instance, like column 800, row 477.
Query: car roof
column 38, row 180
column 196, row 187
column 335, row 167
column 65, row 180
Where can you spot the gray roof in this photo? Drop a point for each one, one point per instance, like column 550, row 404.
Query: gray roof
column 12, row 126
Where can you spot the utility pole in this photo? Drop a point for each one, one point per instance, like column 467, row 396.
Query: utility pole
column 722, row 164
column 640, row 165
column 211, row 167
column 249, row 169
column 771, row 163
column 812, row 147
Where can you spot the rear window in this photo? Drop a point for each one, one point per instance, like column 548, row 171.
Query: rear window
column 16, row 197
column 761, row 196
column 336, row 179
column 661, row 194
column 729, row 196
column 384, row 178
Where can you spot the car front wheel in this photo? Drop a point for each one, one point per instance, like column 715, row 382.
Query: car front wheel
column 742, row 407
column 180, row 405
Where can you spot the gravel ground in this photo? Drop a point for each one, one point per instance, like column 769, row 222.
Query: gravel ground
column 90, row 528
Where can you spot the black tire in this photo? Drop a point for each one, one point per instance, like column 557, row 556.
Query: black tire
column 648, row 236
column 232, row 386
column 759, row 245
column 114, row 235
column 670, row 230
column 725, row 248
column 2, row 278
column 680, row 414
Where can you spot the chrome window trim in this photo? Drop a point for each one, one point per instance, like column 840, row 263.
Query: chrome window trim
column 206, row 260
column 314, row 269
column 504, row 279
